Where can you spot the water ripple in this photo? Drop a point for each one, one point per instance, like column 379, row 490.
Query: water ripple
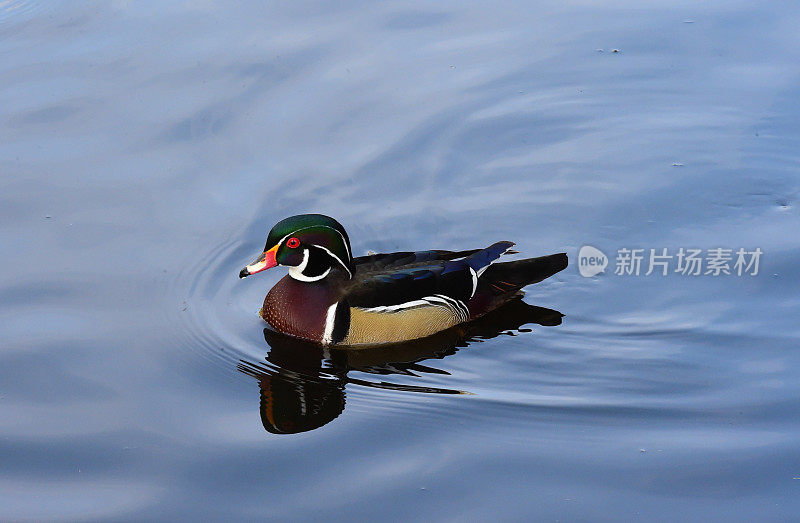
column 214, row 314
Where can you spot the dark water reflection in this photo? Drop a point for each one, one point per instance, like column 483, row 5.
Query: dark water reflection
column 303, row 384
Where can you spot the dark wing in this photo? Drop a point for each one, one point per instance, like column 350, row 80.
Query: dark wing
column 394, row 279
column 384, row 261
column 393, row 287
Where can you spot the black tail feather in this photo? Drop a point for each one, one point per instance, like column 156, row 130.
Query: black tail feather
column 511, row 276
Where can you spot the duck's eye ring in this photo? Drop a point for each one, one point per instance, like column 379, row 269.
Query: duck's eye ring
column 293, row 243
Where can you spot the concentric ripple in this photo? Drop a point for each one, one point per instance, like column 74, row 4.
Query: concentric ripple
column 217, row 312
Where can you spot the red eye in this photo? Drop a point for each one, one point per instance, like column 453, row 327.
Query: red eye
column 293, row 243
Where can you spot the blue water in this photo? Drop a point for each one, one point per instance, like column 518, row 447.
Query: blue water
column 147, row 148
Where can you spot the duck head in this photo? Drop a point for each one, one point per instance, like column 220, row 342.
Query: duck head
column 311, row 245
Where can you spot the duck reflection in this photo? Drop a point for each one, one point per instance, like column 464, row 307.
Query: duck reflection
column 303, row 384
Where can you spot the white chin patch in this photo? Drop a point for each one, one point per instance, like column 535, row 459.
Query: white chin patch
column 297, row 272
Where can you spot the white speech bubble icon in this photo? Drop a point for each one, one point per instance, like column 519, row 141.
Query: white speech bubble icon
column 591, row 261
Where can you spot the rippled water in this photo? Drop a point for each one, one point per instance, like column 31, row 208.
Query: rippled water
column 146, row 150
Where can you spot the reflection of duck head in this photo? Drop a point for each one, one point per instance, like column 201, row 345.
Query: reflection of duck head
column 297, row 395
column 303, row 384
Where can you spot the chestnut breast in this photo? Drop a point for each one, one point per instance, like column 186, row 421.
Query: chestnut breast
column 298, row 308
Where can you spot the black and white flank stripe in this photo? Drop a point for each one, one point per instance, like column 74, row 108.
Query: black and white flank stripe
column 458, row 307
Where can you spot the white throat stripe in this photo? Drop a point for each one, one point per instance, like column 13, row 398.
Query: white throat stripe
column 297, row 272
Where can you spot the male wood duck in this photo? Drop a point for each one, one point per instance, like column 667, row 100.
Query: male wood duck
column 331, row 298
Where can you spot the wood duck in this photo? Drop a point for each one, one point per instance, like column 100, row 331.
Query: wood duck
column 331, row 298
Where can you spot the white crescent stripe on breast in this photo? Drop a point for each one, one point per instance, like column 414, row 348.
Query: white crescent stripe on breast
column 330, row 320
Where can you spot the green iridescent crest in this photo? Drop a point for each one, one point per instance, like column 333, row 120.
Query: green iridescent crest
column 310, row 229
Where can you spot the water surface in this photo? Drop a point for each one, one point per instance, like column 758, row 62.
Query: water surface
column 146, row 150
